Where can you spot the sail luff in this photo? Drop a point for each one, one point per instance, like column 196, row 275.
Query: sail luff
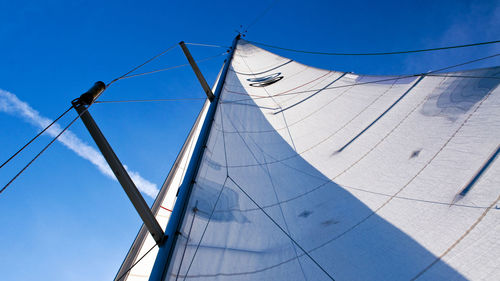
column 164, row 254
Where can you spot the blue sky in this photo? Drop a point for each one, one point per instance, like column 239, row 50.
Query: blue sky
column 64, row 219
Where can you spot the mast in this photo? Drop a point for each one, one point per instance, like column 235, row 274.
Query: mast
column 163, row 258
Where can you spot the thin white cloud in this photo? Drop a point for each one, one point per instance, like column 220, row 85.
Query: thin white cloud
column 11, row 104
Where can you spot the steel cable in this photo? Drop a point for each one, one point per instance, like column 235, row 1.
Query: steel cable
column 35, row 137
column 375, row 53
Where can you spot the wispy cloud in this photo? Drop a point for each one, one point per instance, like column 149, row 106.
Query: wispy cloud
column 11, row 104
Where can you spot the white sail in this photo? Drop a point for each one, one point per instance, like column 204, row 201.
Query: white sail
column 312, row 174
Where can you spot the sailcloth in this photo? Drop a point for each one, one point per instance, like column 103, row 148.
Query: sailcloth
column 311, row 174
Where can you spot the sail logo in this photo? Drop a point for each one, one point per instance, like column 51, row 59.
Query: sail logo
column 265, row 80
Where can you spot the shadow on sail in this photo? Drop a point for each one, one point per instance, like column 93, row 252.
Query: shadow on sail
column 255, row 217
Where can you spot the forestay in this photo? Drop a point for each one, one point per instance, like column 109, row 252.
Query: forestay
column 312, row 174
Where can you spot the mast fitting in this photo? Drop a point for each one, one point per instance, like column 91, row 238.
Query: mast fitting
column 91, row 95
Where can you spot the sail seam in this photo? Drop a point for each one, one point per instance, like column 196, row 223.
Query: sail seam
column 381, row 115
column 458, row 240
column 262, row 72
column 133, row 265
column 187, row 242
column 267, row 171
column 371, row 82
column 277, row 104
column 318, row 143
column 319, row 91
column 282, row 230
column 206, row 226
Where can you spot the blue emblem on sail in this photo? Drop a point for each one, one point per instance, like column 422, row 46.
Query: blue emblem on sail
column 265, row 80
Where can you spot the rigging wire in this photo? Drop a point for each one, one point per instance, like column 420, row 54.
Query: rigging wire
column 207, row 45
column 465, row 76
column 300, row 153
column 160, row 70
column 375, row 53
column 141, row 65
column 40, row 153
column 261, row 15
column 132, row 266
column 35, row 137
column 187, row 243
column 282, row 230
column 72, row 122
column 205, row 229
column 286, row 93
column 461, row 64
column 154, row 71
column 172, row 67
column 150, row 100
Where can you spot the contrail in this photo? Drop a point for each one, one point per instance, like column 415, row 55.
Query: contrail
column 9, row 103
